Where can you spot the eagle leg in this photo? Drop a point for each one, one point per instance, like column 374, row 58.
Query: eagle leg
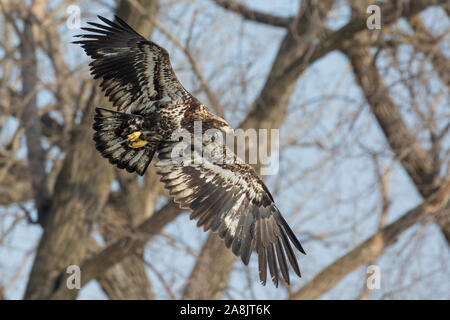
column 134, row 141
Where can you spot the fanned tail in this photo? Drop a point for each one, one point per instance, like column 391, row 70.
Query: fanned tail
column 111, row 130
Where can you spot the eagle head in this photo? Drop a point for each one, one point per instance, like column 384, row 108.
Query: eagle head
column 225, row 127
column 219, row 123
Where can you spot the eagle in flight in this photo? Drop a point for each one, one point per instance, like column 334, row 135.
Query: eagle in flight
column 227, row 198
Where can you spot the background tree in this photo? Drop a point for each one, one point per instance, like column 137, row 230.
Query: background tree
column 364, row 149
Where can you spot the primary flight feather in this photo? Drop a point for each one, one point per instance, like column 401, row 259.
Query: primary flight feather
column 224, row 197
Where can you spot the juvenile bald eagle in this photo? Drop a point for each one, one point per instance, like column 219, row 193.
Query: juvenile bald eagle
column 227, row 198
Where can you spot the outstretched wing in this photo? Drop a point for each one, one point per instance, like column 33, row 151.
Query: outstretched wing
column 232, row 200
column 135, row 72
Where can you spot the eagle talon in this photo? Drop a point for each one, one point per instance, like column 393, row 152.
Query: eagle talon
column 132, row 137
column 134, row 141
column 137, row 144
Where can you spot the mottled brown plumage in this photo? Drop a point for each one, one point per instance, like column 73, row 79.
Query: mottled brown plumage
column 225, row 197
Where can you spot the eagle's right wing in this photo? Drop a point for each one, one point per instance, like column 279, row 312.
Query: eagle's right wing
column 135, row 72
column 233, row 201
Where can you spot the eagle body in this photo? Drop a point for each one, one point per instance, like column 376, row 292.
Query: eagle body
column 156, row 123
column 224, row 194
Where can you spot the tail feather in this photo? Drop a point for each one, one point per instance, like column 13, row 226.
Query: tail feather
column 111, row 140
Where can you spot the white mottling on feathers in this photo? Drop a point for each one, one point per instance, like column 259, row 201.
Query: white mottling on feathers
column 164, row 163
column 108, row 53
column 179, row 187
column 231, row 219
column 178, row 180
column 150, row 71
column 185, row 193
column 230, row 176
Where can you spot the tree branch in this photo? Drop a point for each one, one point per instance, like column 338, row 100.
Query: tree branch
column 415, row 160
column 254, row 15
column 131, row 244
column 372, row 247
column 424, row 42
column 82, row 187
column 343, row 37
column 36, row 155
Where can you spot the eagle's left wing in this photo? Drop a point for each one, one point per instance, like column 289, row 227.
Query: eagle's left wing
column 232, row 200
column 136, row 72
